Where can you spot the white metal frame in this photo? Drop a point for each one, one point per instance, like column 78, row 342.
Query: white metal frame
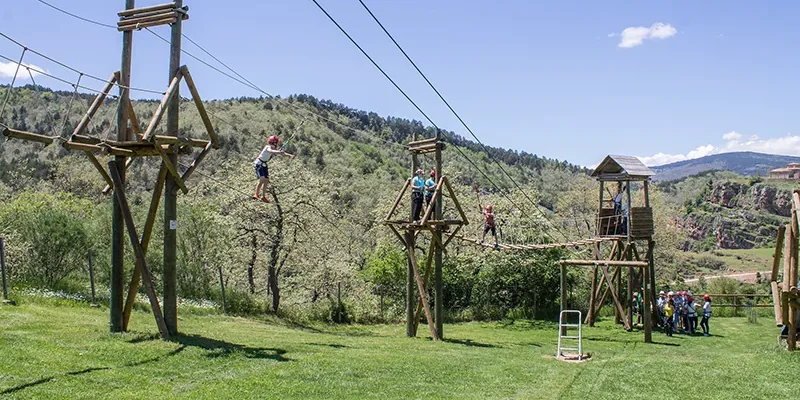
column 562, row 327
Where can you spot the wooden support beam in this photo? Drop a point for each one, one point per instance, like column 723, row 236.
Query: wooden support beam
column 172, row 169
column 162, row 107
column 132, row 117
column 787, row 261
column 617, row 303
column 776, row 303
column 29, row 136
column 421, row 287
column 98, row 101
column 100, row 168
column 452, row 235
column 455, row 201
column 398, row 199
column 149, row 17
column 144, row 10
column 201, row 108
column 423, row 141
column 427, row 280
column 776, row 259
column 196, row 162
column 432, row 204
column 146, row 235
column 82, row 147
column 163, row 139
column 614, row 263
column 399, row 236
column 119, row 194
column 84, row 139
column 142, row 25
column 128, row 163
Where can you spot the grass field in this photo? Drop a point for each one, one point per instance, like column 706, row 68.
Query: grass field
column 65, row 351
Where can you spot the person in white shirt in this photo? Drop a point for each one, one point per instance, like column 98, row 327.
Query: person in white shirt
column 260, row 165
column 706, row 314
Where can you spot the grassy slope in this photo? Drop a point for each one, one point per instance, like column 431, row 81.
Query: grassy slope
column 65, row 351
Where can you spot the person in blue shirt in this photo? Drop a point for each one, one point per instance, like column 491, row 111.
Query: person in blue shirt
column 430, row 187
column 417, row 186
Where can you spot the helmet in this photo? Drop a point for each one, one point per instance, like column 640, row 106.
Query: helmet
column 683, row 293
column 661, row 293
column 433, row 172
column 691, row 299
column 671, row 293
column 706, row 297
column 489, row 208
column 272, row 139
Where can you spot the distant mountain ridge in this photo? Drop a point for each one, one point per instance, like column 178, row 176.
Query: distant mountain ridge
column 744, row 163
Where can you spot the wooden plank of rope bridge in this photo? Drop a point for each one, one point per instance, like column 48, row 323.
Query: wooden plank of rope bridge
column 147, row 277
column 146, row 235
column 201, row 108
column 159, row 113
column 196, row 162
column 29, row 136
column 98, row 101
column 172, row 169
column 398, row 199
column 142, row 10
column 420, row 286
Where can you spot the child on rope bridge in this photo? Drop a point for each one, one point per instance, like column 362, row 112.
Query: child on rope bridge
column 488, row 217
column 260, row 165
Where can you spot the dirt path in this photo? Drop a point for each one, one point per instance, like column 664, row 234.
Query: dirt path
column 747, row 277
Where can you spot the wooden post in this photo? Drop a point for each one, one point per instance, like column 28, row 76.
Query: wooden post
column 421, row 287
column 437, row 273
column 593, row 299
column 119, row 195
column 117, row 223
column 222, row 289
column 563, row 285
column 776, row 259
column 600, row 211
column 171, row 189
column 792, row 278
column 91, row 277
column 410, row 303
column 3, row 271
column 787, row 259
column 647, row 299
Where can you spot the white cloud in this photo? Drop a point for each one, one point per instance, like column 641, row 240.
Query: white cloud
column 635, row 35
column 786, row 145
column 7, row 70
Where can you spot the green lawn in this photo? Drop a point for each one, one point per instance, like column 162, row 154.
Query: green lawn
column 50, row 351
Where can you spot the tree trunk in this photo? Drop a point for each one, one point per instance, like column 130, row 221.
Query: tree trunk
column 274, row 255
column 250, row 280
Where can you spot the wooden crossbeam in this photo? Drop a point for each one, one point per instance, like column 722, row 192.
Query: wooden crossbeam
column 145, row 10
column 100, row 168
column 201, row 108
column 147, row 277
column 399, row 236
column 146, row 235
column 421, row 287
column 455, row 201
column 452, row 235
column 132, row 117
column 162, row 107
column 29, row 136
column 432, row 204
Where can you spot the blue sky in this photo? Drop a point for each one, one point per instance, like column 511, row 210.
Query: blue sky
column 567, row 80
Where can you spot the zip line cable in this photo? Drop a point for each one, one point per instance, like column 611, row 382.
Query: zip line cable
column 76, row 16
column 355, row 43
column 447, row 104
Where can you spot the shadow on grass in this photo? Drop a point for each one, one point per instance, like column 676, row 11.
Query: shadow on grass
column 628, row 341
column 219, row 348
column 470, row 343
column 350, row 332
column 88, row 370
column 144, row 337
column 335, row 346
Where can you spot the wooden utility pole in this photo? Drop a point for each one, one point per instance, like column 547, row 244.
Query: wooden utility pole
column 437, row 272
column 411, row 300
column 171, row 190
column 117, row 222
column 3, row 271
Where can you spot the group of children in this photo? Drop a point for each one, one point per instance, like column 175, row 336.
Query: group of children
column 679, row 312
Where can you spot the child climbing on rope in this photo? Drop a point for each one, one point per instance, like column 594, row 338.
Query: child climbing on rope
column 260, row 165
column 417, row 186
column 488, row 217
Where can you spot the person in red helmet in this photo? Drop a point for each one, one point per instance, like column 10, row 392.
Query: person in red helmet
column 430, row 187
column 260, row 165
column 706, row 314
column 691, row 314
column 488, row 216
